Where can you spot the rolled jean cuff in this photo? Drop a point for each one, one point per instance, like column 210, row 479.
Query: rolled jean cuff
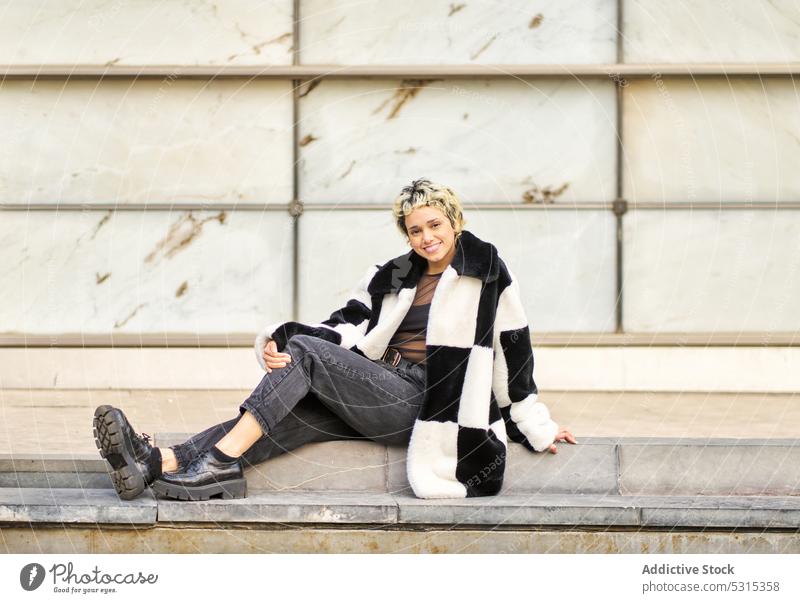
column 248, row 406
column 180, row 456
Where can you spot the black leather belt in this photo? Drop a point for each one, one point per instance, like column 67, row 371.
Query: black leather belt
column 391, row 356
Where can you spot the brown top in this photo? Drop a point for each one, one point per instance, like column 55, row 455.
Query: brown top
column 409, row 339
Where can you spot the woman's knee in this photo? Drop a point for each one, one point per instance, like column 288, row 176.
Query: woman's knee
column 303, row 344
column 300, row 339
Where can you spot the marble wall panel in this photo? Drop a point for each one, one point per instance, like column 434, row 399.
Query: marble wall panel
column 168, row 141
column 711, row 32
column 544, row 140
column 144, row 272
column 717, row 140
column 711, row 271
column 563, row 259
column 336, row 249
column 142, row 32
column 445, row 32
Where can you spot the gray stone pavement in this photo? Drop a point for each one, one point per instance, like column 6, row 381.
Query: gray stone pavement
column 49, row 421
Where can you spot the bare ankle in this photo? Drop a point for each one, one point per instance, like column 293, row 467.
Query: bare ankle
column 244, row 434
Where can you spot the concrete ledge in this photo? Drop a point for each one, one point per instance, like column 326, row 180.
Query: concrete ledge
column 601, row 466
column 732, row 512
column 46, row 463
column 55, row 480
column 723, row 467
column 53, row 471
column 294, row 507
column 71, row 505
column 633, row 466
column 607, row 511
column 506, row 510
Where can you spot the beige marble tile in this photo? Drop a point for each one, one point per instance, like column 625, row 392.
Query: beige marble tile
column 441, row 31
column 708, row 271
column 148, row 141
column 544, row 140
column 711, row 139
column 336, row 249
column 697, row 32
column 564, row 261
column 144, row 271
column 140, row 32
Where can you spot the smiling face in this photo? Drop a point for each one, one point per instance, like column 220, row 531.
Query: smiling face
column 431, row 236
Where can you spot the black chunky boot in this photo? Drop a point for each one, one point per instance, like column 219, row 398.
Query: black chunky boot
column 133, row 460
column 203, row 478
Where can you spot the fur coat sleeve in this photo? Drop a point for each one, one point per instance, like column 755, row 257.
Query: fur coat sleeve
column 344, row 327
column 527, row 420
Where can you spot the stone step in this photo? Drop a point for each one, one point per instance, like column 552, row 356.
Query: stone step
column 74, row 506
column 600, row 466
column 633, row 466
column 53, row 471
column 95, row 506
column 506, row 510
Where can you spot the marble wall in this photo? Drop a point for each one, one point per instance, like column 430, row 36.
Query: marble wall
column 150, row 141
column 564, row 261
column 431, row 32
column 203, row 142
column 143, row 32
column 712, row 271
column 259, row 32
column 494, row 140
column 719, row 139
column 711, row 32
column 96, row 272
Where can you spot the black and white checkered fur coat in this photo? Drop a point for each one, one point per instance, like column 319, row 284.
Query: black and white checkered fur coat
column 479, row 365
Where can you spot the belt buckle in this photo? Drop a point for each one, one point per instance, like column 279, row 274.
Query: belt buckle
column 395, row 359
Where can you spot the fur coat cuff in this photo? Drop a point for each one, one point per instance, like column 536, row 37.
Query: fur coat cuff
column 533, row 420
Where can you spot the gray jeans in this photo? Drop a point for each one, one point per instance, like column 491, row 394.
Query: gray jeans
column 326, row 393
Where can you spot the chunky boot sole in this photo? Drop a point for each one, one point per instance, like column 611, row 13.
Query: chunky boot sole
column 235, row 488
column 109, row 436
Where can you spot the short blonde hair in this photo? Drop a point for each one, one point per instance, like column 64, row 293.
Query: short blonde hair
column 423, row 192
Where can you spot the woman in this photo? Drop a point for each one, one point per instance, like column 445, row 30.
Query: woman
column 432, row 350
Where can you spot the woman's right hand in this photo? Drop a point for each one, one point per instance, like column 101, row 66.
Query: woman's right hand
column 273, row 358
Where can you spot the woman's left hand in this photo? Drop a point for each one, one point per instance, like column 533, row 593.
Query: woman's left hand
column 563, row 435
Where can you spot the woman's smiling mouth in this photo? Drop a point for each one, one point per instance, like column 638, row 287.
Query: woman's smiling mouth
column 432, row 248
